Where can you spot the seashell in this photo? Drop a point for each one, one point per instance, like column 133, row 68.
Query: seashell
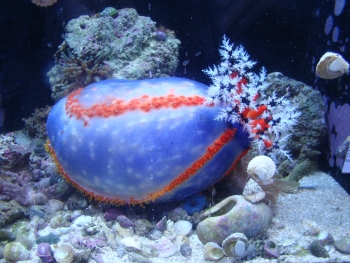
column 235, row 245
column 213, row 251
column 261, row 167
column 154, row 234
column 121, row 251
column 165, row 247
column 343, row 244
column 270, row 250
column 331, row 66
column 15, row 251
column 318, row 250
column 64, row 254
column 310, row 227
column 253, row 192
column 44, row 252
column 231, row 215
column 182, row 227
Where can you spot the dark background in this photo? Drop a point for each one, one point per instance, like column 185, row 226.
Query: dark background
column 282, row 35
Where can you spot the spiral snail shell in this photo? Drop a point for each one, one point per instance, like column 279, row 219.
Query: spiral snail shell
column 331, row 66
column 235, row 245
column 261, row 167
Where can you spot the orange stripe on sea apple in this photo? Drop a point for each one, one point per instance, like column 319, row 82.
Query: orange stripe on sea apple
column 115, row 106
column 218, row 144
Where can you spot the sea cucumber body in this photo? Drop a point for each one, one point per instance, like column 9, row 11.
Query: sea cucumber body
column 134, row 141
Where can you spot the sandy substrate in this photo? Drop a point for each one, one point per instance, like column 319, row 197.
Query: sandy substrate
column 320, row 199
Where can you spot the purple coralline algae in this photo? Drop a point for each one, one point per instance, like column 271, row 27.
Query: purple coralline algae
column 118, row 44
column 112, row 214
column 24, row 176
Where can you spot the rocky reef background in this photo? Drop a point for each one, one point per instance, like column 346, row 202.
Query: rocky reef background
column 116, row 44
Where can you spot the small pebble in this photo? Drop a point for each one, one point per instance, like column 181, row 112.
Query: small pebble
column 125, row 222
column 160, row 36
column 38, row 210
column 121, row 251
column 310, row 227
column 343, row 244
column 77, row 202
column 318, row 250
column 6, row 235
column 162, row 224
column 154, row 234
column 182, row 227
column 186, row 250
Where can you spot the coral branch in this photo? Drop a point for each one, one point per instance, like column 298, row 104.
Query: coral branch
column 269, row 120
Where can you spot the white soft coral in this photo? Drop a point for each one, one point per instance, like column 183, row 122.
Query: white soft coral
column 267, row 119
